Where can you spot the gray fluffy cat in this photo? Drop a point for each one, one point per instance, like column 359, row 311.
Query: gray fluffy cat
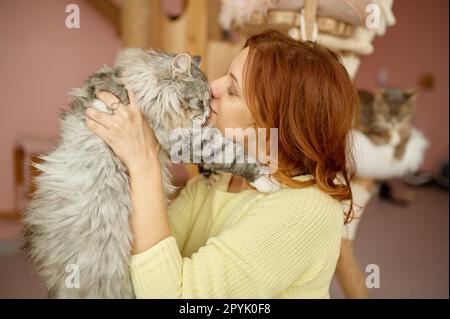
column 76, row 230
column 386, row 117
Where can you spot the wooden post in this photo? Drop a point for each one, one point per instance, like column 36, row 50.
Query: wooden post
column 214, row 29
column 139, row 27
column 197, row 27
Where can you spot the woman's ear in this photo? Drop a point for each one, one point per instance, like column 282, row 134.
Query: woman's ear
column 181, row 64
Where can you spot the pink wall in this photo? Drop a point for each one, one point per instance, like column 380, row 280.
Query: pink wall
column 416, row 45
column 40, row 60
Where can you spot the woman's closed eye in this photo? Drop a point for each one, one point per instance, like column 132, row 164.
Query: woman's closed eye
column 231, row 91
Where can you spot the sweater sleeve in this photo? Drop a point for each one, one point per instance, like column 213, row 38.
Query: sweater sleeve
column 180, row 211
column 282, row 237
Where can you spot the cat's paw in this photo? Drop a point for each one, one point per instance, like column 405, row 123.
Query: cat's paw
column 395, row 138
column 264, row 184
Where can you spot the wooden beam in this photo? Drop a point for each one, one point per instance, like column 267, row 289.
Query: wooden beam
column 109, row 10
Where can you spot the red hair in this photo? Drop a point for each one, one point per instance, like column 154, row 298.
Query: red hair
column 302, row 89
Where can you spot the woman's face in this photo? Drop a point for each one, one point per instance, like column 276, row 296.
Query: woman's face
column 228, row 108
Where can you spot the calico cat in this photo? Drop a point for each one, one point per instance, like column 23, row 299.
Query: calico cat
column 386, row 117
column 76, row 231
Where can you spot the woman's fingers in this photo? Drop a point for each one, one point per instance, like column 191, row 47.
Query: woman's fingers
column 113, row 103
column 98, row 129
column 99, row 117
column 109, row 99
column 121, row 112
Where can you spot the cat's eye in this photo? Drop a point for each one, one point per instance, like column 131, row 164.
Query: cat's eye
column 194, row 102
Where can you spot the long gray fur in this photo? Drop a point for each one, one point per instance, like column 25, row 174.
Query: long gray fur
column 78, row 217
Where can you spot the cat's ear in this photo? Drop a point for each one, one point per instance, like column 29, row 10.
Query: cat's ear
column 197, row 59
column 411, row 94
column 181, row 64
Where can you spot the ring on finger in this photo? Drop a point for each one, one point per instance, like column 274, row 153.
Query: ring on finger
column 115, row 106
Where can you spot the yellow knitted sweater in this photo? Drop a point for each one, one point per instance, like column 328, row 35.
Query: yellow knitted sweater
column 243, row 245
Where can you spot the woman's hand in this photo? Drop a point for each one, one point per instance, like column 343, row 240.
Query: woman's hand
column 133, row 141
column 126, row 131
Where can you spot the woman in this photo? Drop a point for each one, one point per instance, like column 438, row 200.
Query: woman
column 231, row 241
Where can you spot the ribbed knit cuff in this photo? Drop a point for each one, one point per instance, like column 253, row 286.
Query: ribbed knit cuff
column 157, row 272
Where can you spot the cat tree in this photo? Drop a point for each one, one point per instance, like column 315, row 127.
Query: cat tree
column 143, row 24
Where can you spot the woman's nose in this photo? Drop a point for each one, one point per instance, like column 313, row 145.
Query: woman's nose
column 215, row 89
